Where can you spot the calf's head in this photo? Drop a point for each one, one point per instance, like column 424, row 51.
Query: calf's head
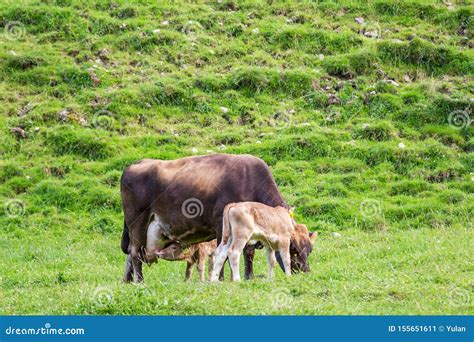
column 175, row 251
column 301, row 246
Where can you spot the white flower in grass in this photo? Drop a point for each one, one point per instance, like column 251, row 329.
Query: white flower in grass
column 401, row 145
column 255, row 31
column 224, row 109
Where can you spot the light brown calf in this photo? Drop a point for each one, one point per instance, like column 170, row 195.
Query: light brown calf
column 274, row 227
column 196, row 253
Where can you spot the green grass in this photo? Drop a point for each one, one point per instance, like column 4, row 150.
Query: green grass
column 369, row 138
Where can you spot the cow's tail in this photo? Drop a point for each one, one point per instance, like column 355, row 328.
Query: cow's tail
column 125, row 238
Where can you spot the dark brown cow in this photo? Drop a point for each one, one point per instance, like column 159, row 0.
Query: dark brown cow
column 183, row 201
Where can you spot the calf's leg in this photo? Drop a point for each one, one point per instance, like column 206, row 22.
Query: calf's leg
column 221, row 256
column 286, row 258
column 249, row 253
column 189, row 270
column 235, row 250
column 210, row 265
column 271, row 260
column 201, row 263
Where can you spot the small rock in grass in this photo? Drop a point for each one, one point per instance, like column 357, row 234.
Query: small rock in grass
column 401, row 145
column 392, row 82
column 37, row 129
column 194, row 150
column 19, row 132
column 123, row 26
column 156, row 31
column 258, row 142
column 221, row 147
column 321, row 57
column 336, row 235
column 165, row 23
column 224, row 109
column 352, row 143
column 333, row 99
column 371, row 34
column 209, row 151
column 359, row 20
column 64, row 115
column 255, row 30
column 365, row 126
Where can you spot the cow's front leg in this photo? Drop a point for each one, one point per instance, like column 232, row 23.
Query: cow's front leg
column 249, row 254
column 128, row 276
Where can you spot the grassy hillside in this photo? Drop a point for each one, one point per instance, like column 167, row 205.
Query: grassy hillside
column 363, row 112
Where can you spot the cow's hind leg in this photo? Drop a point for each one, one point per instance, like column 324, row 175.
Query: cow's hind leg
column 138, row 230
column 137, row 263
column 128, row 276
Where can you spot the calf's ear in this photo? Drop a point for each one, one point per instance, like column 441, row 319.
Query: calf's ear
column 313, row 236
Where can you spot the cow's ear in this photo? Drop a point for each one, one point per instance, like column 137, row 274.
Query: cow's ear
column 313, row 236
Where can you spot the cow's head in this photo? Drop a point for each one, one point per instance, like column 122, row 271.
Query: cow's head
column 301, row 246
column 175, row 251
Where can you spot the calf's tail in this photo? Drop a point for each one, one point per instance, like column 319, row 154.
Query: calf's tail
column 226, row 224
column 125, row 238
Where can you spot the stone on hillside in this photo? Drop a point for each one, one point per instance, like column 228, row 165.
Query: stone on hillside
column 359, row 20
column 19, row 132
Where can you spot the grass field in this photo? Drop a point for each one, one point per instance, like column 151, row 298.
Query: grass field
column 363, row 112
